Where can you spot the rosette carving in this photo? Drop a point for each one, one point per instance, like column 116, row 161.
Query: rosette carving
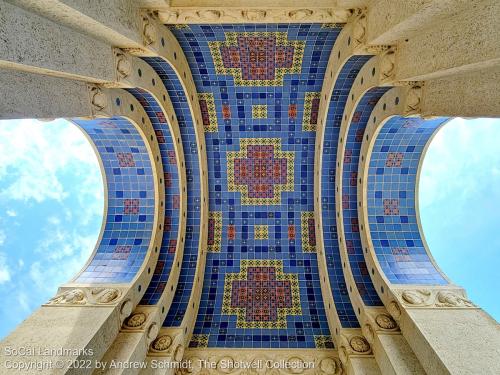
column 385, row 321
column 162, row 343
column 359, row 344
column 136, row 320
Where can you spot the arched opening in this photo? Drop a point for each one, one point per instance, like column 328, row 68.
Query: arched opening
column 459, row 191
column 51, row 211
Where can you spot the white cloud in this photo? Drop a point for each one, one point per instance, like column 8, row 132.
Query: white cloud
column 37, row 153
column 3, row 237
column 11, row 213
column 23, row 301
column 4, row 269
column 49, row 178
column 62, row 253
column 456, row 163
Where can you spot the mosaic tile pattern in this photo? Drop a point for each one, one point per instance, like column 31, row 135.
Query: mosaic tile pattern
column 261, row 295
column 339, row 97
column 199, row 341
column 130, row 189
column 391, row 201
column 188, row 267
column 260, row 171
column 257, row 58
column 311, row 108
column 214, row 231
column 308, row 232
column 323, row 342
column 239, row 81
column 259, row 111
column 172, row 197
column 261, row 232
column 351, row 160
column 208, row 115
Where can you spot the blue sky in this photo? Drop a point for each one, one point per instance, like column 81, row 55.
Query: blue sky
column 460, row 206
column 51, row 204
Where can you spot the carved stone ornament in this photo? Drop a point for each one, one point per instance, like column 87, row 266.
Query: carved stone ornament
column 136, row 320
column 153, row 331
column 241, row 15
column 385, row 321
column 149, row 32
column 178, row 353
column 387, row 65
column 263, row 362
column 413, row 99
column 300, row 14
column 299, row 369
column 416, row 297
column 105, row 295
column 254, row 14
column 123, row 65
column 394, row 309
column 450, row 299
column 210, row 14
column 359, row 29
column 98, row 99
column 328, row 366
column 343, row 355
column 359, row 344
column 69, row 297
column 126, row 308
column 368, row 332
column 224, row 365
column 162, row 343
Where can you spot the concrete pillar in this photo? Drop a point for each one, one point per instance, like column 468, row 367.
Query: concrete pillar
column 467, row 41
column 34, row 43
column 29, row 95
column 442, row 325
column 390, row 21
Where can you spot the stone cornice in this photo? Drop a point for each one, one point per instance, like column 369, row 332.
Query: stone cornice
column 253, row 15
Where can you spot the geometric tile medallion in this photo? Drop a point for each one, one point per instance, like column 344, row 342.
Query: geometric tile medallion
column 199, row 341
column 311, row 107
column 308, row 232
column 214, row 231
column 259, row 111
column 323, row 342
column 261, row 295
column 261, row 232
column 260, row 171
column 257, row 58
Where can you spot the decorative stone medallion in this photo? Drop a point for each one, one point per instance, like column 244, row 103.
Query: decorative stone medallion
column 385, row 321
column 69, row 297
column 136, row 320
column 359, row 344
column 162, row 343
